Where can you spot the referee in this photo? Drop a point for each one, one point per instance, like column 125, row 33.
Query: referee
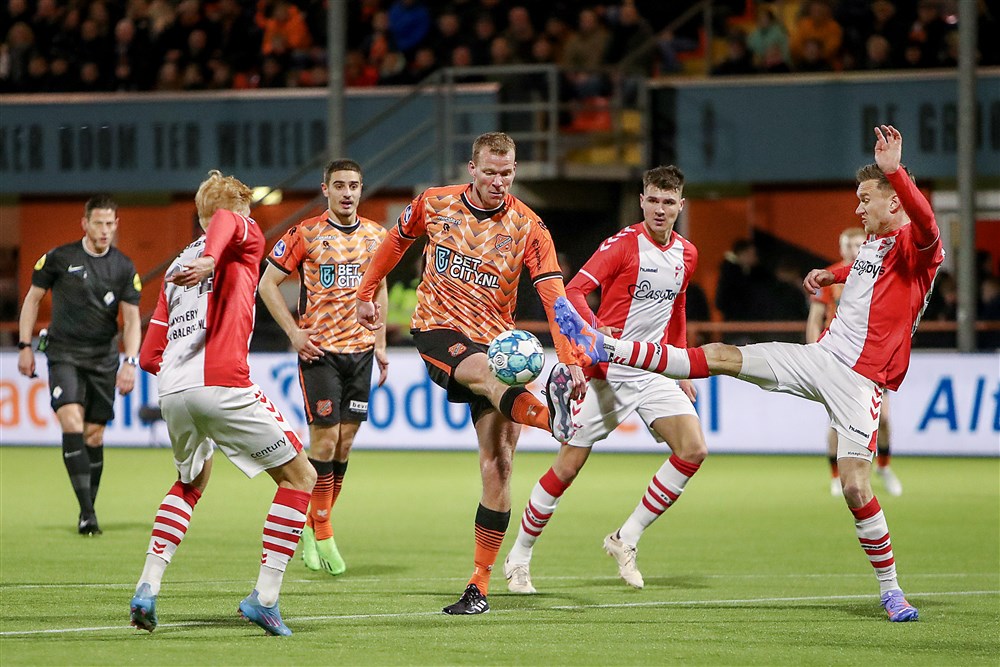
column 89, row 280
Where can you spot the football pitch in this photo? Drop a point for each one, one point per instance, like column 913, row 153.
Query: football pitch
column 756, row 564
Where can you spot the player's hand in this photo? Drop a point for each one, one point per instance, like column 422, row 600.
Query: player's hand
column 26, row 362
column 689, row 390
column 817, row 279
column 888, row 148
column 301, row 340
column 382, row 359
column 193, row 273
column 369, row 315
column 614, row 332
column 578, row 383
column 125, row 380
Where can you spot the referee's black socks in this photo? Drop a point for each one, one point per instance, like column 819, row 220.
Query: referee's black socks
column 77, row 464
column 96, row 456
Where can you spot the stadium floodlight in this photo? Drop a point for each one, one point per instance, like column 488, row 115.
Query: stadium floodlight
column 266, row 196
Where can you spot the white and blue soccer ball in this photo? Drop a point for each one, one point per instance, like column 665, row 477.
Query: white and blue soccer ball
column 516, row 357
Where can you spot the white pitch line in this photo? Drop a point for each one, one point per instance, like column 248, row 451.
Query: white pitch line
column 416, row 614
column 341, row 581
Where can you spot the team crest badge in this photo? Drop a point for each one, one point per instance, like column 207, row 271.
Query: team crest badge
column 885, row 245
column 442, row 257
column 279, row 249
column 457, row 349
column 503, row 242
column 327, row 275
column 324, row 408
column 371, row 245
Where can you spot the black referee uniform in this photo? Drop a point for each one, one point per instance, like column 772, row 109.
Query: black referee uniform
column 82, row 349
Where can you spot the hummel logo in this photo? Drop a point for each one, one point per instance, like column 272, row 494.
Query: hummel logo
column 158, row 547
column 74, row 268
column 322, row 513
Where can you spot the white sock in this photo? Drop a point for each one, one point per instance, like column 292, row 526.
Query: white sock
column 152, row 573
column 269, row 585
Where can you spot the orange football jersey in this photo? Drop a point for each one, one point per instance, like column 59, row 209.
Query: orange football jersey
column 331, row 261
column 473, row 263
column 829, row 296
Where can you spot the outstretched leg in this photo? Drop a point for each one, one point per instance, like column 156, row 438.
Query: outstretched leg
column 593, row 347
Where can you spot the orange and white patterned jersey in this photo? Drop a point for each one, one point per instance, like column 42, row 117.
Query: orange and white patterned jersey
column 330, row 260
column 474, row 260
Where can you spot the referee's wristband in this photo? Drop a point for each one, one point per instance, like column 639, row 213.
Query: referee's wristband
column 132, row 361
column 22, row 345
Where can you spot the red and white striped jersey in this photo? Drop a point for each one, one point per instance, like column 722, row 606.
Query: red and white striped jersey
column 200, row 336
column 885, row 292
column 643, row 290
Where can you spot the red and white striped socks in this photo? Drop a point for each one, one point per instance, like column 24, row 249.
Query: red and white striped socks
column 675, row 362
column 873, row 534
column 541, row 505
column 282, row 530
column 169, row 527
column 663, row 491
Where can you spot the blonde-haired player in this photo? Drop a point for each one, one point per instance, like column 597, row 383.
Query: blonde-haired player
column 197, row 345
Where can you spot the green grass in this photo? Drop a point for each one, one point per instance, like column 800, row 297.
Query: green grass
column 757, row 564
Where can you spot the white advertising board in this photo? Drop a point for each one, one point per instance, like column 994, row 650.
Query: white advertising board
column 949, row 405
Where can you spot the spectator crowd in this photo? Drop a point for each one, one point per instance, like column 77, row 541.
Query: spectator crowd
column 140, row 45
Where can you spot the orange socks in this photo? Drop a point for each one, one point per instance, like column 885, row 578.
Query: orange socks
column 490, row 528
column 521, row 406
column 321, row 500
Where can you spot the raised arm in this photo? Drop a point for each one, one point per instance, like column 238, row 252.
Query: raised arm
column 888, row 156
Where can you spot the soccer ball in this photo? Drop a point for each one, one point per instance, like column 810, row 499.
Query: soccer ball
column 516, row 357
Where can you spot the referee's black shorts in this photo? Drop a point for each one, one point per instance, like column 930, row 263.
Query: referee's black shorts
column 93, row 389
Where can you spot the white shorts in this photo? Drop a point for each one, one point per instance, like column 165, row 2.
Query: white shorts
column 244, row 424
column 608, row 404
column 853, row 402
